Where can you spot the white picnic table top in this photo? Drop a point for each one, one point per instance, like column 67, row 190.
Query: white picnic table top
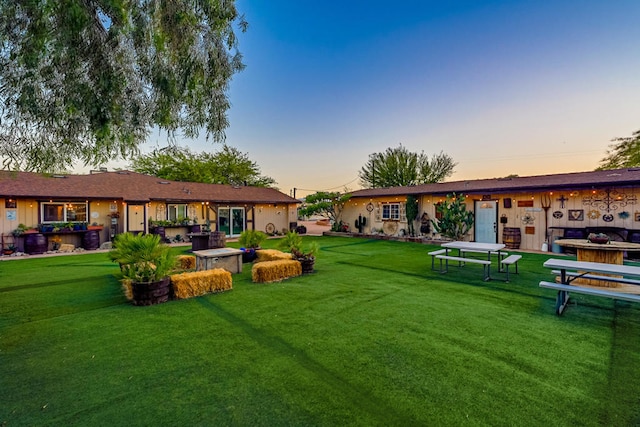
column 474, row 246
column 594, row 267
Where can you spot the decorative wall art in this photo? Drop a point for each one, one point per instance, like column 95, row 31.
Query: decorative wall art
column 525, row 203
column 609, row 200
column 562, row 199
column 607, row 217
column 576, row 215
column 10, row 204
column 557, row 214
column 506, row 203
column 637, row 216
column 528, row 218
column 624, row 215
column 593, row 214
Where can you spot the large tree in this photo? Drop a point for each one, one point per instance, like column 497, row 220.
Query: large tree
column 399, row 167
column 328, row 204
column 624, row 153
column 86, row 79
column 227, row 166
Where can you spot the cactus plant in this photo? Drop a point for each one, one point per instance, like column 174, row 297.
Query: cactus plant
column 360, row 223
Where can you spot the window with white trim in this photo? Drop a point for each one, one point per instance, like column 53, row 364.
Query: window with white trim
column 63, row 212
column 176, row 212
column 391, row 211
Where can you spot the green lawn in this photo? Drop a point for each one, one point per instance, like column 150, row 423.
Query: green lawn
column 374, row 337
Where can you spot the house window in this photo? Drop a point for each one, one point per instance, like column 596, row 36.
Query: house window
column 391, row 211
column 63, row 212
column 176, row 212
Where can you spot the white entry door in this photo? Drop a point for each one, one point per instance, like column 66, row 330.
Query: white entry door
column 486, row 221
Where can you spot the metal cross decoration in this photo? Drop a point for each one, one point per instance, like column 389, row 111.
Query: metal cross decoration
column 562, row 199
column 609, row 200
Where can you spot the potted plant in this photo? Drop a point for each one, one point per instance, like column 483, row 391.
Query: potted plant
column 292, row 242
column 145, row 262
column 9, row 250
column 250, row 240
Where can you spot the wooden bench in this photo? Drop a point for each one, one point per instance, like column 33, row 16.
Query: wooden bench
column 510, row 260
column 461, row 260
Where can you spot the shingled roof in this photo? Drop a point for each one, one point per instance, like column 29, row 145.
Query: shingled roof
column 618, row 178
column 130, row 187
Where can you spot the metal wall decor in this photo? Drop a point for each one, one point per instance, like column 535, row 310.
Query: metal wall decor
column 608, row 200
column 528, row 218
column 557, row 214
column 576, row 215
column 593, row 214
column 607, row 217
column 562, row 199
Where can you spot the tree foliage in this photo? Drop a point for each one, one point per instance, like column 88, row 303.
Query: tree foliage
column 327, row 204
column 227, row 166
column 455, row 221
column 399, row 167
column 624, row 153
column 86, row 79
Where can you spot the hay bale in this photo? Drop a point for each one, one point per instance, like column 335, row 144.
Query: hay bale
column 127, row 287
column 186, row 262
column 264, row 255
column 274, row 271
column 197, row 283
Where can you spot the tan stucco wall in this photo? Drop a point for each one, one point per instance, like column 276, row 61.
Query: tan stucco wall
column 592, row 203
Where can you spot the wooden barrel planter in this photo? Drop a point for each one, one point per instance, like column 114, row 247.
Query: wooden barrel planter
column 91, row 240
column 511, row 237
column 217, row 239
column 160, row 232
column 307, row 264
column 35, row 243
column 150, row 293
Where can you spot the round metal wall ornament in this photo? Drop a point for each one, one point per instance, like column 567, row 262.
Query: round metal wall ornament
column 558, row 214
column 370, row 207
column 607, row 217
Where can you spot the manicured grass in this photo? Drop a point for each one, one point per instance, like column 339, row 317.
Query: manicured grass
column 374, row 337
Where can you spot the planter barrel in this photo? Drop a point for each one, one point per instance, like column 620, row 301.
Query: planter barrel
column 91, row 240
column 307, row 265
column 217, row 239
column 511, row 237
column 35, row 244
column 160, row 232
column 151, row 293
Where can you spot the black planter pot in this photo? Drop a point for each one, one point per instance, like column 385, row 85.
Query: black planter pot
column 249, row 255
column 151, row 293
column 307, row 264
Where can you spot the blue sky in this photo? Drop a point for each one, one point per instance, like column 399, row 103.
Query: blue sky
column 504, row 87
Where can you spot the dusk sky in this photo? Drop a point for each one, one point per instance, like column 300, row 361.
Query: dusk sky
column 504, row 87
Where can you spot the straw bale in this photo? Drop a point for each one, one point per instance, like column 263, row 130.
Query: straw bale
column 271, row 255
column 67, row 247
column 127, row 288
column 186, row 262
column 274, row 271
column 196, row 283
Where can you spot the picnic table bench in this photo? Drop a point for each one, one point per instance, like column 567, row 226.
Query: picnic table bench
column 504, row 259
column 611, row 275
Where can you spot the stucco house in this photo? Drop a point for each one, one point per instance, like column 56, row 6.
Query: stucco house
column 125, row 201
column 531, row 210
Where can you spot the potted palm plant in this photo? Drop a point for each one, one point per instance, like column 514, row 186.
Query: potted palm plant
column 250, row 240
column 145, row 264
column 292, row 242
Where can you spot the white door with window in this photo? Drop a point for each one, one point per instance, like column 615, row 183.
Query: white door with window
column 486, row 221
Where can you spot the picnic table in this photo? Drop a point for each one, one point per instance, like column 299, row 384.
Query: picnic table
column 462, row 249
column 614, row 280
